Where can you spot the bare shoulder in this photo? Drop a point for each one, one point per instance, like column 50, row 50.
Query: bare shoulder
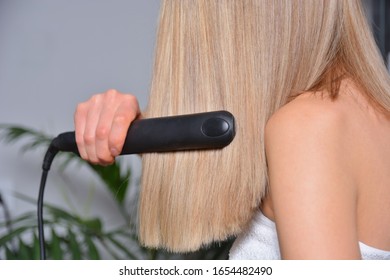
column 311, row 185
column 309, row 117
column 312, row 130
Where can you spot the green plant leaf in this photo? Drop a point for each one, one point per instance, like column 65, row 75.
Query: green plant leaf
column 9, row 254
column 24, row 251
column 13, row 234
column 61, row 214
column 93, row 253
column 122, row 248
column 126, row 233
column 74, row 246
column 36, row 251
column 55, row 246
column 12, row 133
column 24, row 218
column 93, row 226
column 112, row 176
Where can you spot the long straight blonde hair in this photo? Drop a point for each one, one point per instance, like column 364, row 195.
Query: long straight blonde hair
column 248, row 57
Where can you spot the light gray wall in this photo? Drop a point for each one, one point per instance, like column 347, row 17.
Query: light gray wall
column 53, row 55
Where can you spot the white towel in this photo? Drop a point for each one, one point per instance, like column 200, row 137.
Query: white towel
column 260, row 242
column 371, row 253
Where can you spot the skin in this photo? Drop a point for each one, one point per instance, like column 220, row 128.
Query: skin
column 329, row 164
column 328, row 161
column 101, row 125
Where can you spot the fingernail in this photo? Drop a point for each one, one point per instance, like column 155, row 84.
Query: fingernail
column 114, row 152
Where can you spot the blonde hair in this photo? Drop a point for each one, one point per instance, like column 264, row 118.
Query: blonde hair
column 248, row 57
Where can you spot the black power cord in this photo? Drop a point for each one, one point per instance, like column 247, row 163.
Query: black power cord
column 48, row 159
column 210, row 130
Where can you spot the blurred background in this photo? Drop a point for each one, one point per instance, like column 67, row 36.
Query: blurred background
column 53, row 55
column 378, row 12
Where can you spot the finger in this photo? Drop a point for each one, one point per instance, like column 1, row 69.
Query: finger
column 103, row 129
column 93, row 115
column 80, row 116
column 127, row 111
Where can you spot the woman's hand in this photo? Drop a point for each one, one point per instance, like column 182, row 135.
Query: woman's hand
column 101, row 125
